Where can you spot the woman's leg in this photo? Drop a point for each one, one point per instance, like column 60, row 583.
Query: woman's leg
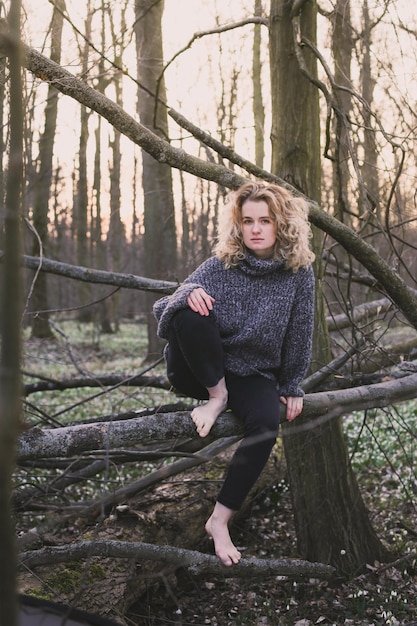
column 217, row 528
column 195, row 365
column 255, row 399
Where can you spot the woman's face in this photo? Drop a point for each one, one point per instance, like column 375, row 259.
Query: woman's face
column 259, row 229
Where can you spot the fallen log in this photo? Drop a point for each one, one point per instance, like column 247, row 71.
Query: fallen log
column 196, row 562
column 172, row 513
column 324, row 405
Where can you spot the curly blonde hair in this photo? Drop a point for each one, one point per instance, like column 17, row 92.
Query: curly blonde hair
column 289, row 213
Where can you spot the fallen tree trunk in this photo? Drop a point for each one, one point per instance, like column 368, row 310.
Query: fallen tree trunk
column 169, row 514
column 39, row 443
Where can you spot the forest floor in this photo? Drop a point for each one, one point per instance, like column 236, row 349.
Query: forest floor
column 379, row 596
column 383, row 454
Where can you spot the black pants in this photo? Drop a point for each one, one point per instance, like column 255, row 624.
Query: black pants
column 195, row 362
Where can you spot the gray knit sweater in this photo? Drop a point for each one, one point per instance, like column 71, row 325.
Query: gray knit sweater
column 264, row 313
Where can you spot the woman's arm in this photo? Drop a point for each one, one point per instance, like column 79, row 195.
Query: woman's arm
column 203, row 279
column 297, row 344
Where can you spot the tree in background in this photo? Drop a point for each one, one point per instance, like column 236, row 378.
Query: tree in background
column 160, row 245
column 258, row 106
column 116, row 235
column 369, row 185
column 81, row 200
column 342, row 46
column 43, row 185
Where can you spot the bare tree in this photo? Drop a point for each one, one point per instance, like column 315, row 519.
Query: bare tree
column 39, row 300
column 258, row 106
column 160, row 245
column 369, row 197
column 81, row 205
column 116, row 237
column 342, row 46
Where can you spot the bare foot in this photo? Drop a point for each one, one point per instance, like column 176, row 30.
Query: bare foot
column 223, row 545
column 204, row 416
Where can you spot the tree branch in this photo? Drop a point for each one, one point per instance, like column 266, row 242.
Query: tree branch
column 318, row 377
column 113, row 380
column 366, row 254
column 163, row 152
column 196, row 562
column 224, row 151
column 318, row 407
column 90, row 275
column 158, row 148
column 205, row 33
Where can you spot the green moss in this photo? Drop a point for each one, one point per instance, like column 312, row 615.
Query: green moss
column 96, row 572
column 66, row 582
column 75, row 575
column 42, row 594
column 215, row 473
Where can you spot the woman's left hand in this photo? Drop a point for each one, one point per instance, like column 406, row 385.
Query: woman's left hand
column 294, row 406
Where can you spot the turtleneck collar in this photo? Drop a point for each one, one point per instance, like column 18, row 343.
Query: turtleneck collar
column 259, row 267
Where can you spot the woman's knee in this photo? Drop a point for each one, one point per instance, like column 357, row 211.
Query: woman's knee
column 188, row 320
column 256, row 401
column 265, row 423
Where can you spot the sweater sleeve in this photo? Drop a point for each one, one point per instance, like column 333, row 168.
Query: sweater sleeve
column 297, row 344
column 166, row 307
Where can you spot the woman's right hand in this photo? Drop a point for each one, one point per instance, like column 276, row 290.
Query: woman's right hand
column 200, row 302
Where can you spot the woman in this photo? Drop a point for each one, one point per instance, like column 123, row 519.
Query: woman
column 239, row 333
